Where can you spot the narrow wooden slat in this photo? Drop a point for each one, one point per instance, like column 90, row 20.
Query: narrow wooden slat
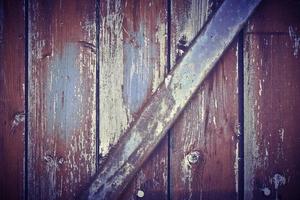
column 207, row 127
column 62, row 86
column 272, row 96
column 168, row 101
column 12, row 117
column 132, row 64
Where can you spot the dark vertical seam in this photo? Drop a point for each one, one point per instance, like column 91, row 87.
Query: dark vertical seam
column 168, row 69
column 97, row 84
column 241, row 115
column 26, row 68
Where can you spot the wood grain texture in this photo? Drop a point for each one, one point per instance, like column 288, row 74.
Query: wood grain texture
column 12, row 117
column 187, row 20
column 62, row 86
column 132, row 65
column 207, row 127
column 272, row 96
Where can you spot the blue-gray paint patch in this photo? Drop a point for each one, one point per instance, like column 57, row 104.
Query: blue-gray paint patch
column 137, row 72
column 63, row 100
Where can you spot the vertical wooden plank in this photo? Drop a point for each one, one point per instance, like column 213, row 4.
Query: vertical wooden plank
column 204, row 138
column 62, row 110
column 272, row 102
column 132, row 65
column 12, row 73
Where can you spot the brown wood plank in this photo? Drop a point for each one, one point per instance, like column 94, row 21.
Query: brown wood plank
column 207, row 129
column 205, row 133
column 168, row 101
column 12, row 74
column 132, row 65
column 272, row 102
column 62, row 86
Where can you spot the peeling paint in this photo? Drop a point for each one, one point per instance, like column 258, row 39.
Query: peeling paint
column 236, row 167
column 115, row 116
column 186, row 78
column 167, row 80
column 18, row 119
column 281, row 134
column 295, row 39
column 187, row 175
column 129, row 71
column 260, row 88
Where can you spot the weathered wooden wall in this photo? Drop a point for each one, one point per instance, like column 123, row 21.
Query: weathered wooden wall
column 112, row 55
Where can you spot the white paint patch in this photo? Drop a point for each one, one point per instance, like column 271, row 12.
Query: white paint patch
column 202, row 105
column 236, row 167
column 216, row 103
column 187, row 175
column 160, row 40
column 260, row 88
column 168, row 80
column 19, row 118
column 281, row 133
column 214, row 121
column 296, row 39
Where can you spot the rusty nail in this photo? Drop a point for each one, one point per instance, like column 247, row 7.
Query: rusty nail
column 193, row 157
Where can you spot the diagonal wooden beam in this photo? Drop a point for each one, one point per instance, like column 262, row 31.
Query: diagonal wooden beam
column 169, row 100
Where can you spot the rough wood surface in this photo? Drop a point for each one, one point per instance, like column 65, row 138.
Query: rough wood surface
column 203, row 154
column 12, row 73
column 62, row 86
column 168, row 101
column 187, row 20
column 208, row 125
column 207, row 130
column 272, row 96
column 132, row 65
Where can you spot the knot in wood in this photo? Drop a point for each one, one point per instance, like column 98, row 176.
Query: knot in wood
column 193, row 157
